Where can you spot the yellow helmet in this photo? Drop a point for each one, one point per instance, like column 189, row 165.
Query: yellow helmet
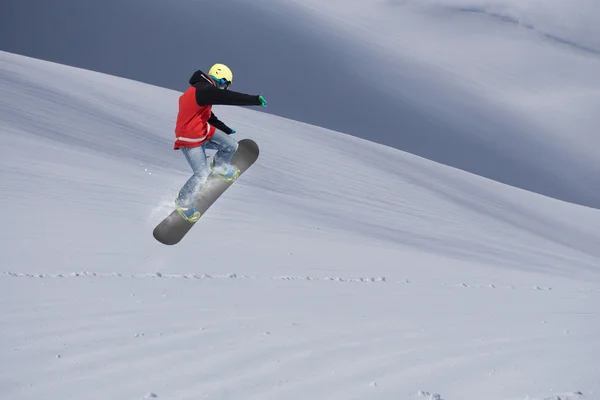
column 221, row 71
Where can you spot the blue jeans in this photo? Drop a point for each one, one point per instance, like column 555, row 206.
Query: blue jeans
column 196, row 157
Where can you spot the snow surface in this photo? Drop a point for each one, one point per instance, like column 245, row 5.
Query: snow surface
column 336, row 268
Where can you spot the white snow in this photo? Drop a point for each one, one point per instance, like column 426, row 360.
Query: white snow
column 335, row 268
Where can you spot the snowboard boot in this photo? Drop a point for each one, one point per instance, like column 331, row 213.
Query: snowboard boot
column 188, row 213
column 230, row 175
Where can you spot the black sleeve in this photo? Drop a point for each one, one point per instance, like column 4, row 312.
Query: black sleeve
column 206, row 95
column 217, row 123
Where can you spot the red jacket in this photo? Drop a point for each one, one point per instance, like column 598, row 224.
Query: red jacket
column 192, row 128
column 196, row 123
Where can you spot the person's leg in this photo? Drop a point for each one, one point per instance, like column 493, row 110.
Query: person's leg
column 225, row 146
column 196, row 157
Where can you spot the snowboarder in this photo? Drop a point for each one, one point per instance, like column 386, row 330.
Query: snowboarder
column 198, row 129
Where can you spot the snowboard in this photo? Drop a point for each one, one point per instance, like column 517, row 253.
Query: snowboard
column 174, row 227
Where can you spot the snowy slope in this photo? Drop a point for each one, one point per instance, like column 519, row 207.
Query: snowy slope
column 506, row 89
column 336, row 268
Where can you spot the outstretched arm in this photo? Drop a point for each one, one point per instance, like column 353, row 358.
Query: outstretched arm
column 217, row 123
column 206, row 95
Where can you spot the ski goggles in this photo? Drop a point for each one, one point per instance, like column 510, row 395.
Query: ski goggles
column 222, row 83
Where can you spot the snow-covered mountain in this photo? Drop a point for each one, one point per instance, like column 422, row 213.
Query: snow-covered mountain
column 336, row 268
column 506, row 89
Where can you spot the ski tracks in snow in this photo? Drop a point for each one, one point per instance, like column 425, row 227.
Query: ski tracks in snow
column 190, row 336
column 307, row 278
